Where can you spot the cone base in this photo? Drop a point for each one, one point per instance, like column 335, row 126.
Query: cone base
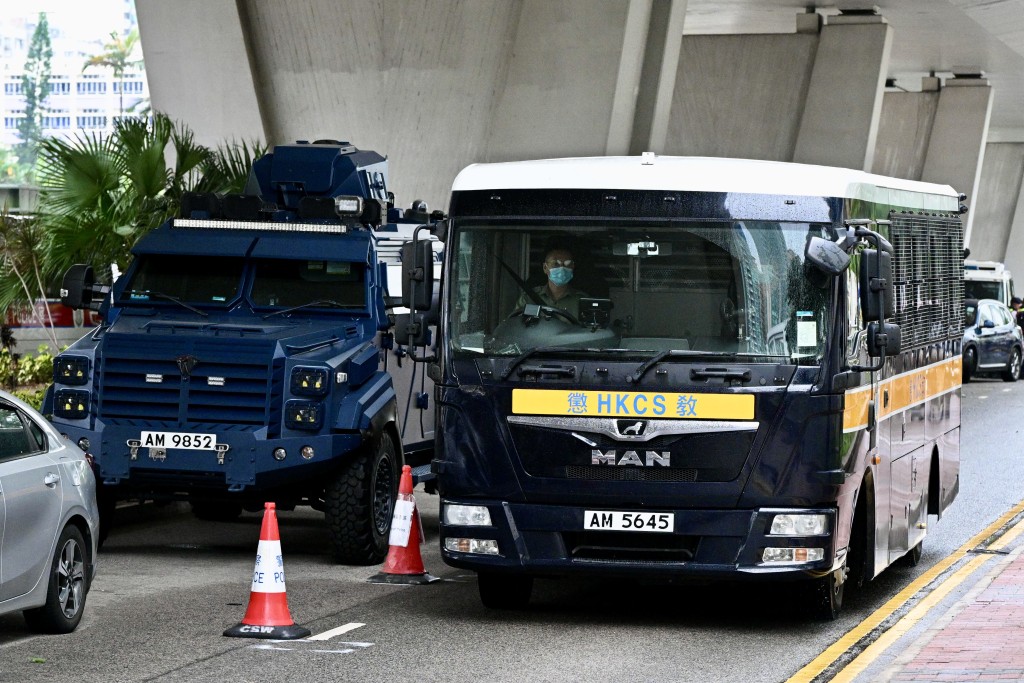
column 269, row 632
column 403, row 579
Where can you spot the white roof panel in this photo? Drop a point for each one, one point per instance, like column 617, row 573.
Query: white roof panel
column 705, row 174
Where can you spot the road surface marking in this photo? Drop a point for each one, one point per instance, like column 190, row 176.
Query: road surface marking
column 327, row 635
column 820, row 664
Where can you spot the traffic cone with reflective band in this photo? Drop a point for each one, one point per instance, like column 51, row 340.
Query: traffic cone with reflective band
column 267, row 615
column 404, row 564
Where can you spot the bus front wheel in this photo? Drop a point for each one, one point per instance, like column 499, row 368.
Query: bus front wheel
column 823, row 597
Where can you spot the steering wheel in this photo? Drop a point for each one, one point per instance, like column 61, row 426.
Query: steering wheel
column 550, row 310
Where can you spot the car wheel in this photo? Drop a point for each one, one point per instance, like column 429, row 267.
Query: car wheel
column 65, row 593
column 360, row 502
column 1012, row 371
column 970, row 362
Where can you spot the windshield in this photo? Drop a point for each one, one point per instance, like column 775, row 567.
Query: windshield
column 287, row 283
column 724, row 287
column 982, row 289
column 191, row 279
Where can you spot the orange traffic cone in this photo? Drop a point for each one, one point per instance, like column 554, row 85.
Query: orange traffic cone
column 404, row 564
column 267, row 615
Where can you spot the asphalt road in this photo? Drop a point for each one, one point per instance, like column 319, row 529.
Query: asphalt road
column 168, row 585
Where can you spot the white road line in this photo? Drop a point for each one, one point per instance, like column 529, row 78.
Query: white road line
column 334, row 652
column 327, row 635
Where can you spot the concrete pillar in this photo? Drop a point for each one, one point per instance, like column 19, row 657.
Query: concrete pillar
column 658, row 81
column 632, row 64
column 199, row 69
column 904, row 129
column 844, row 100
column 956, row 148
column 997, row 201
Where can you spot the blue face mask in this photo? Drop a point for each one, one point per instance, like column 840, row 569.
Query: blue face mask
column 560, row 276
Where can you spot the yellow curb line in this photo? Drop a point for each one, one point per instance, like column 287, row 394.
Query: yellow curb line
column 820, row 663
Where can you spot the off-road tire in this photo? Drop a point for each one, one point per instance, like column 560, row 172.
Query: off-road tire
column 67, row 585
column 360, row 502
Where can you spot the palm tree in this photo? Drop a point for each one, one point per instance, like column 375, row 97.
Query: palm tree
column 118, row 57
column 100, row 194
column 21, row 272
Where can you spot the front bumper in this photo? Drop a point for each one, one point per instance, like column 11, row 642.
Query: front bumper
column 550, row 540
column 247, row 465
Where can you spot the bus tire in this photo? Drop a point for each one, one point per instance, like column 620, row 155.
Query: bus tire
column 1012, row 371
column 504, row 591
column 823, row 597
column 913, row 556
column 360, row 501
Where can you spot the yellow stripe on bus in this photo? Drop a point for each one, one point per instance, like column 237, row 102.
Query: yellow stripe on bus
column 647, row 405
column 905, row 390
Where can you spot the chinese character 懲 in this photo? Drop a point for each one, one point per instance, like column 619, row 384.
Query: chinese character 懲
column 577, row 402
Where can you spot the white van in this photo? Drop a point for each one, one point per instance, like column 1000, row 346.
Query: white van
column 987, row 280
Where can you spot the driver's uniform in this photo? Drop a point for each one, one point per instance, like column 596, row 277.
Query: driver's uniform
column 570, row 301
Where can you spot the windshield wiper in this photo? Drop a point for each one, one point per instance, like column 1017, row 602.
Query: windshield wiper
column 168, row 297
column 675, row 353
column 319, row 302
column 518, row 360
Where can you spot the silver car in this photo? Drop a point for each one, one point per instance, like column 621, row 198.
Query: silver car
column 49, row 521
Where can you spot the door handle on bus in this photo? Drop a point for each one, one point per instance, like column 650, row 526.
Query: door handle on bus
column 51, row 479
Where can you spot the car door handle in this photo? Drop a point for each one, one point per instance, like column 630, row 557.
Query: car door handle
column 51, row 479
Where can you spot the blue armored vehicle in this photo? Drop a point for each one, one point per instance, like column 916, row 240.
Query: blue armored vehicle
column 246, row 354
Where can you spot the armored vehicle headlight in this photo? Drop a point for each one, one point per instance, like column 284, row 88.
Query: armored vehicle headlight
column 348, row 205
column 71, row 370
column 71, row 404
column 799, row 525
column 303, row 414
column 310, row 381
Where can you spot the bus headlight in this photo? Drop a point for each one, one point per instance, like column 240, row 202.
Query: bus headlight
column 467, row 515
column 799, row 525
column 479, row 546
column 792, row 555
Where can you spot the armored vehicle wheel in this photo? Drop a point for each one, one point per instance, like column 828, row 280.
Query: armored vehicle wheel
column 360, row 502
column 216, row 510
column 504, row 591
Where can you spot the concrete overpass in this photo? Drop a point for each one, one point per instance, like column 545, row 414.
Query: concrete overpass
column 922, row 89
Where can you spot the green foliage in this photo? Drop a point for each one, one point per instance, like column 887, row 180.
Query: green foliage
column 99, row 194
column 35, row 88
column 27, row 376
column 118, row 56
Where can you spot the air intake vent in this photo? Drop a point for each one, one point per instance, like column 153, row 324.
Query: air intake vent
column 609, row 473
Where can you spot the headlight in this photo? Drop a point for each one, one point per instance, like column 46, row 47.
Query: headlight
column 71, row 370
column 71, row 404
column 799, row 525
column 347, row 205
column 480, row 546
column 303, row 414
column 310, row 381
column 467, row 515
column 792, row 555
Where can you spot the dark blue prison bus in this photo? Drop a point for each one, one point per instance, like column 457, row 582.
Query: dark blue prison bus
column 754, row 372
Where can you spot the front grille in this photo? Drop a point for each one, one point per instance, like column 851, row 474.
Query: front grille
column 625, row 546
column 237, row 394
column 612, row 473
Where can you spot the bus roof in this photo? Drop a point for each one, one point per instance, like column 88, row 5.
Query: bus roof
column 706, row 174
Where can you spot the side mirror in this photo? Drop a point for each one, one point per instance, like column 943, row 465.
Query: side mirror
column 883, row 339
column 417, row 275
column 76, row 289
column 877, row 300
column 826, row 256
column 988, row 324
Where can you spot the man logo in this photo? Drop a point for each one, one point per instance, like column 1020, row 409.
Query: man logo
column 186, row 364
column 631, row 427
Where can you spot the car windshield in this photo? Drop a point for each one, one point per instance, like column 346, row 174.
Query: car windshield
column 288, row 283
column 725, row 287
column 970, row 313
column 191, row 279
